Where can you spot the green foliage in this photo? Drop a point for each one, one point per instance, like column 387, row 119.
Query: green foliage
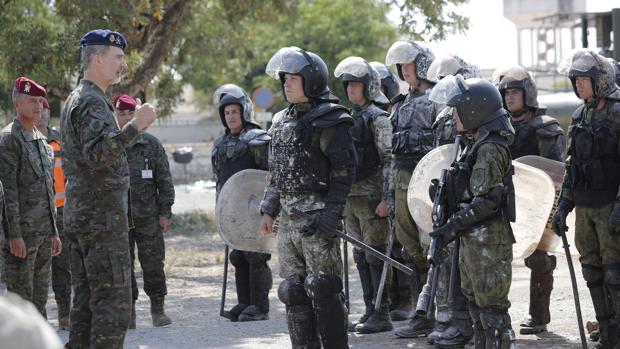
column 210, row 42
column 237, row 52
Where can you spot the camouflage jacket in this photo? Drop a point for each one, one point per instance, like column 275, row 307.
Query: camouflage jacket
column 3, row 218
column 152, row 191
column 95, row 162
column 539, row 135
column 26, row 172
column 381, row 129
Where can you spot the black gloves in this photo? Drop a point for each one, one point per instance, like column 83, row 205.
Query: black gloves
column 614, row 219
column 447, row 232
column 324, row 224
column 432, row 188
column 558, row 221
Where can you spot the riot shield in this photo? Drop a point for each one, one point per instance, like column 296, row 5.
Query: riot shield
column 237, row 212
column 550, row 242
column 534, row 189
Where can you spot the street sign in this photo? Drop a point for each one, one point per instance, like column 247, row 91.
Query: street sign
column 262, row 97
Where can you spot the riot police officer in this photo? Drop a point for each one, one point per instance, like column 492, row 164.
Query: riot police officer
column 243, row 146
column 412, row 117
column 366, row 209
column 453, row 326
column 591, row 184
column 535, row 134
column 481, row 183
column 389, row 84
column 311, row 168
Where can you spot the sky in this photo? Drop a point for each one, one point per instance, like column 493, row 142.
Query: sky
column 491, row 40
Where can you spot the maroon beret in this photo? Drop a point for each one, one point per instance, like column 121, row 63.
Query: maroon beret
column 29, row 87
column 125, row 102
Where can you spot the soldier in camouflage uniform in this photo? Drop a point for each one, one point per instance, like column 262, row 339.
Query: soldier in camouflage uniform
column 591, row 185
column 3, row 237
column 61, row 266
column 26, row 165
column 152, row 197
column 412, row 116
column 243, row 146
column 311, row 168
column 97, row 204
column 480, row 182
column 453, row 326
column 366, row 209
column 535, row 134
column 390, row 86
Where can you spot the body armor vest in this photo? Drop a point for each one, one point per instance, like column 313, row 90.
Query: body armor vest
column 461, row 176
column 595, row 164
column 296, row 162
column 412, row 122
column 368, row 161
column 232, row 155
column 525, row 142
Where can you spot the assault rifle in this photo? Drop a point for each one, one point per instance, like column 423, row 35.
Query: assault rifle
column 440, row 216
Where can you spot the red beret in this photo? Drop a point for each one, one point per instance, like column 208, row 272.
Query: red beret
column 125, row 102
column 46, row 104
column 29, row 87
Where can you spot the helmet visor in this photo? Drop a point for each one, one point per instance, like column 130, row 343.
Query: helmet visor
column 287, row 60
column 402, row 52
column 228, row 89
column 447, row 88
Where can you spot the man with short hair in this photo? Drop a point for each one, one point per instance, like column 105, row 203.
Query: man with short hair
column 412, row 117
column 311, row 168
column 591, row 185
column 242, row 146
column 366, row 210
column 96, row 207
column 152, row 196
column 26, row 166
column 535, row 134
column 61, row 266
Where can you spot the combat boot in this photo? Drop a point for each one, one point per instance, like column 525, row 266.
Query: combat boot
column 419, row 326
column 379, row 321
column 132, row 318
column 64, row 310
column 367, row 312
column 260, row 284
column 157, row 312
column 451, row 337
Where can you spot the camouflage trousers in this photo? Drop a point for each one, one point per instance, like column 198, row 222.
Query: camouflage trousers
column 149, row 239
column 102, row 286
column 29, row 277
column 595, row 245
column 300, row 255
column 61, row 265
column 363, row 223
column 453, row 312
column 486, row 271
column 406, row 230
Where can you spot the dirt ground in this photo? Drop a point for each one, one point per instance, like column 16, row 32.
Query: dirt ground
column 194, row 265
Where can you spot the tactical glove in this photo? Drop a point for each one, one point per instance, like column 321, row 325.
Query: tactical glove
column 558, row 221
column 614, row 219
column 447, row 232
column 324, row 224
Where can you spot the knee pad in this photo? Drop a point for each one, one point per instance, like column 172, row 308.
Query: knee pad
column 359, row 256
column 612, row 275
column 594, row 276
column 540, row 262
column 236, row 258
column 320, row 286
column 291, row 292
column 257, row 257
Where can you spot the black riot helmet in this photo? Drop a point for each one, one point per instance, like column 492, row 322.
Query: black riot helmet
column 293, row 60
column 518, row 77
column 391, row 87
column 602, row 73
column 358, row 69
column 232, row 94
column 477, row 101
